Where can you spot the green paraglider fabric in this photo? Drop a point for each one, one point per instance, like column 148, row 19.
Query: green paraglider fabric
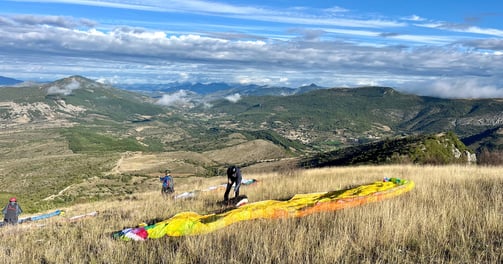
column 191, row 223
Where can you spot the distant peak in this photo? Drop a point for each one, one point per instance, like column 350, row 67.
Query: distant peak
column 312, row 85
column 67, row 85
column 80, row 78
column 76, row 79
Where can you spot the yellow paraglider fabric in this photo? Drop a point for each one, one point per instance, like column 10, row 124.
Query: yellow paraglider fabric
column 191, row 223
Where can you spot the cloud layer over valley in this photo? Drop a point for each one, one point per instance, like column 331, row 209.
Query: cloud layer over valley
column 201, row 41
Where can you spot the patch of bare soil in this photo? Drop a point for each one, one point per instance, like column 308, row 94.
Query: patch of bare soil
column 252, row 151
column 180, row 163
column 282, row 166
column 46, row 117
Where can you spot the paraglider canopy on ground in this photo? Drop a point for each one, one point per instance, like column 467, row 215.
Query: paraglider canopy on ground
column 191, row 223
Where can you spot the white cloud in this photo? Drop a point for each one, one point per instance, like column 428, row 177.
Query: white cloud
column 215, row 8
column 207, row 105
column 366, row 82
column 485, row 31
column 64, row 89
column 414, row 18
column 113, row 4
column 184, row 76
column 462, row 87
column 462, row 28
column 234, row 98
column 336, row 10
column 179, row 98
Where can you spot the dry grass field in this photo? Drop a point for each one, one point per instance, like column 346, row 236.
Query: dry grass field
column 453, row 215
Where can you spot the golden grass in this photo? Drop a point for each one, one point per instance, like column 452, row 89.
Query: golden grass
column 454, row 215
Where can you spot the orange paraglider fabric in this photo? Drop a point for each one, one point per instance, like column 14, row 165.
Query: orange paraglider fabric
column 191, row 223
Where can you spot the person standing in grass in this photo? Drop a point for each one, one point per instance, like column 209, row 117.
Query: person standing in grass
column 233, row 177
column 12, row 211
column 168, row 185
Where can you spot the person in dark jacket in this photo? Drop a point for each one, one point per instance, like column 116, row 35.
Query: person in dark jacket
column 233, row 177
column 12, row 211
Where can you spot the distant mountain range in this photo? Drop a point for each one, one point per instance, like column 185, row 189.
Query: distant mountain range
column 218, row 89
column 202, row 90
column 8, row 81
column 321, row 119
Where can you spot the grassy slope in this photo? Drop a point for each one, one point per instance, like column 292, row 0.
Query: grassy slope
column 323, row 109
column 419, row 149
column 56, row 167
column 462, row 223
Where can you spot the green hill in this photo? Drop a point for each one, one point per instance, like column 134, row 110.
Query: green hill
column 79, row 99
column 101, row 100
column 437, row 149
column 330, row 118
column 490, row 139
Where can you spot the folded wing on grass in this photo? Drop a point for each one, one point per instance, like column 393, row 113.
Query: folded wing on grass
column 191, row 223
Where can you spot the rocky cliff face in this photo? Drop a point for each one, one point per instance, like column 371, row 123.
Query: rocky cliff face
column 58, row 114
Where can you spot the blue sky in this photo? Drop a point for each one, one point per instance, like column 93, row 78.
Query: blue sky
column 451, row 49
